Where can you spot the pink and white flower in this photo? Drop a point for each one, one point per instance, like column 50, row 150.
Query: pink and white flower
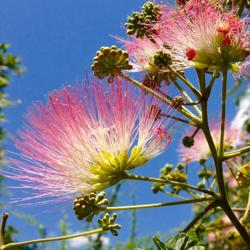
column 143, row 55
column 203, row 34
column 85, row 138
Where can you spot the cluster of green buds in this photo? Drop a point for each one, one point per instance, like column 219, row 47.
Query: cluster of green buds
column 177, row 175
column 204, row 174
column 159, row 187
column 162, row 59
column 107, row 223
column 169, row 173
column 87, row 206
column 138, row 23
column 243, row 175
column 109, row 62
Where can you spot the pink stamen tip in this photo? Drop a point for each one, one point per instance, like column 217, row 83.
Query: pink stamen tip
column 190, row 54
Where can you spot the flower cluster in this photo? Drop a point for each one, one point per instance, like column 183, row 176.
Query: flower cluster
column 196, row 34
column 204, row 34
column 84, row 139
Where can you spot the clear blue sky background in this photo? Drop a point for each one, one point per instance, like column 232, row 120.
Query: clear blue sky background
column 56, row 41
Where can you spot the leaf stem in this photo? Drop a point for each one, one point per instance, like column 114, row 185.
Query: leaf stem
column 200, row 215
column 244, row 217
column 29, row 242
column 180, row 119
column 182, row 110
column 186, row 95
column 184, row 80
column 154, row 205
column 2, row 228
column 223, row 112
column 237, row 152
column 181, row 184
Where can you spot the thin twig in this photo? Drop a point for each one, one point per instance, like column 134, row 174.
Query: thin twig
column 144, row 206
column 2, row 229
column 200, row 215
column 29, row 242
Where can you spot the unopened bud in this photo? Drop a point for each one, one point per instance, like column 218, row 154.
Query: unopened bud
column 188, row 141
column 109, row 62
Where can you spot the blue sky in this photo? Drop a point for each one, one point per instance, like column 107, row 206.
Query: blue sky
column 56, row 41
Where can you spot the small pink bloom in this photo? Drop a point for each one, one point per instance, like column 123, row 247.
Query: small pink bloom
column 83, row 139
column 142, row 54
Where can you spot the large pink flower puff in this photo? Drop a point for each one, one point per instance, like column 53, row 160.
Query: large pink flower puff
column 85, row 138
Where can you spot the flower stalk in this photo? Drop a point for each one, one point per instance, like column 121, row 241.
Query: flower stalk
column 181, row 184
column 223, row 112
column 186, row 95
column 154, row 205
column 30, row 242
column 237, row 152
column 182, row 110
column 212, row 205
column 223, row 201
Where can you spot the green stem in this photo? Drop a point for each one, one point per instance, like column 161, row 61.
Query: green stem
column 184, row 80
column 174, row 195
column 211, row 84
column 244, row 217
column 237, row 152
column 180, row 119
column 218, row 166
column 181, row 184
column 182, row 110
column 200, row 215
column 2, row 228
column 223, row 112
column 241, row 8
column 29, row 242
column 154, row 205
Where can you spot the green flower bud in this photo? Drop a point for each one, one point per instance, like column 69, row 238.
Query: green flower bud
column 201, row 185
column 161, row 59
column 188, row 141
column 138, row 23
column 108, row 223
column 87, row 206
column 109, row 62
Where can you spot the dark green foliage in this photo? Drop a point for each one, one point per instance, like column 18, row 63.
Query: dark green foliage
column 183, row 241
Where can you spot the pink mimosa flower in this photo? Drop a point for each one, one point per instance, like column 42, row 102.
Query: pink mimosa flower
column 204, row 34
column 150, row 56
column 200, row 150
column 84, row 139
column 243, row 70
